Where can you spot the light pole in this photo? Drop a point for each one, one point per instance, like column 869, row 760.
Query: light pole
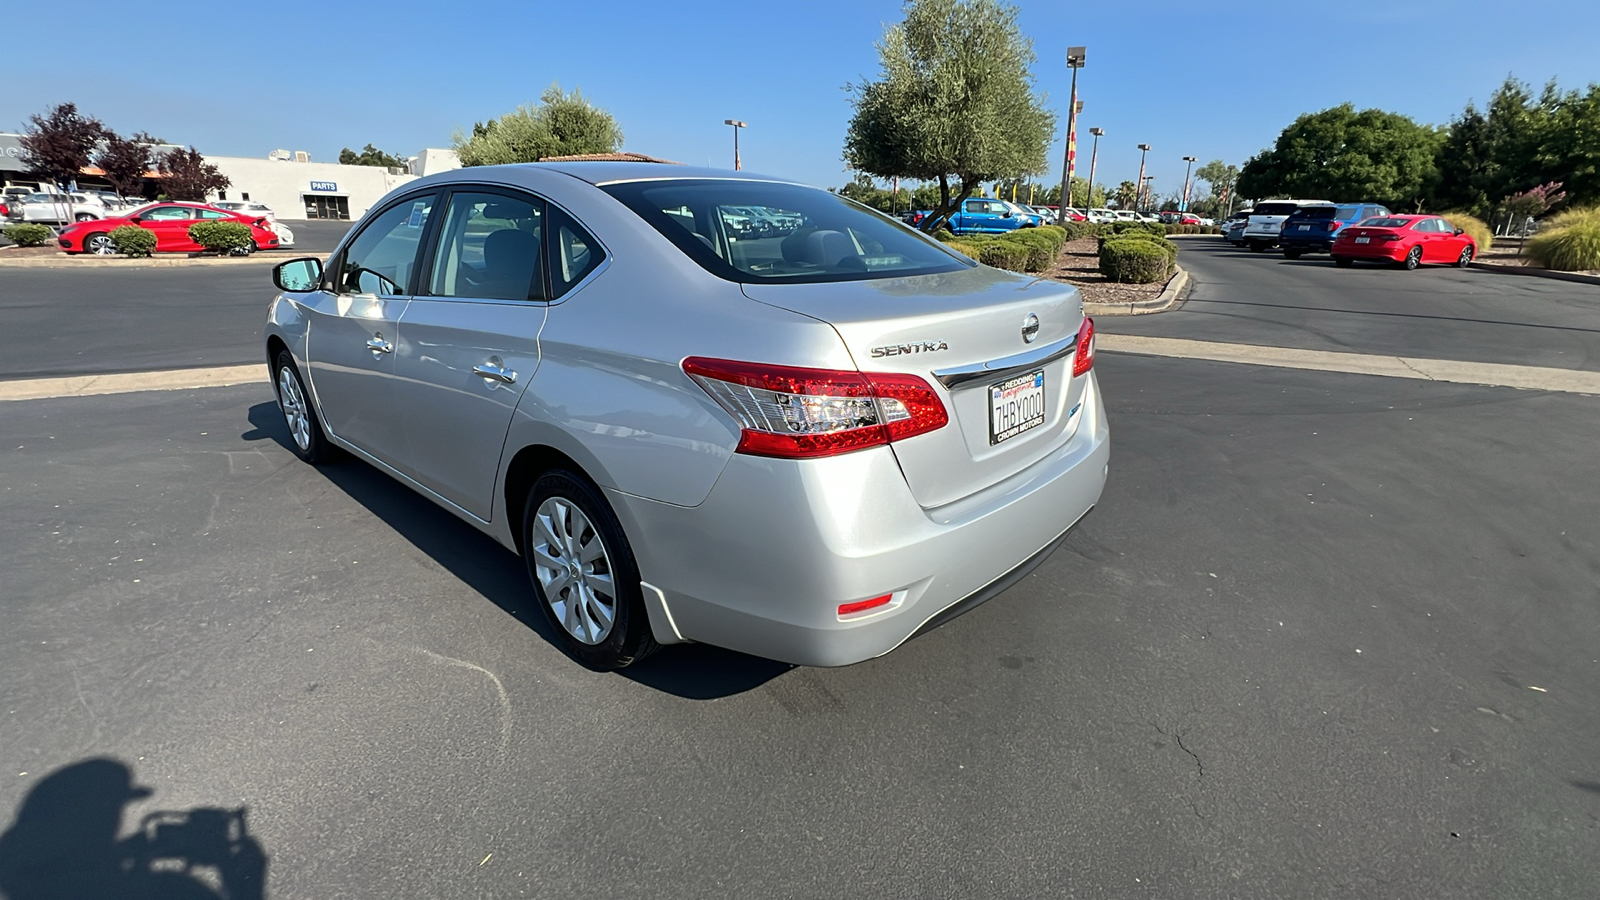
column 1094, row 154
column 736, row 126
column 1139, row 186
column 1075, row 57
column 1144, row 191
column 1184, row 206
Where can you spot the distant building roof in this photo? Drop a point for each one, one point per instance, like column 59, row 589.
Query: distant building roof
column 609, row 157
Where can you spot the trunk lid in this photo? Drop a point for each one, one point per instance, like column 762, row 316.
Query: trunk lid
column 963, row 333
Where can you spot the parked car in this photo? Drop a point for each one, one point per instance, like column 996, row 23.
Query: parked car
column 1148, row 218
column 1102, row 216
column 1124, row 215
column 809, row 449
column 169, row 221
column 1233, row 227
column 1313, row 227
column 56, row 209
column 247, row 208
column 1261, row 230
column 979, row 215
column 1407, row 240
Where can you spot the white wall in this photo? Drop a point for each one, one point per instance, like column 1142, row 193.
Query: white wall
column 434, row 159
column 284, row 185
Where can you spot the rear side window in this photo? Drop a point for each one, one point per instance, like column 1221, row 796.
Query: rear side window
column 574, row 253
column 1274, row 209
column 822, row 236
column 1346, row 213
column 168, row 213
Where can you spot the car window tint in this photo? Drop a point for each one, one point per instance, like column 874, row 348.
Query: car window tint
column 1274, row 209
column 379, row 259
column 167, row 214
column 574, row 253
column 1386, row 222
column 489, row 248
column 975, row 206
column 213, row 214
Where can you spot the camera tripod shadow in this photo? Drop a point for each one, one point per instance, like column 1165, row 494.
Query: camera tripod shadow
column 65, row 844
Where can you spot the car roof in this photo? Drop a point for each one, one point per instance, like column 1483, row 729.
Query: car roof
column 598, row 173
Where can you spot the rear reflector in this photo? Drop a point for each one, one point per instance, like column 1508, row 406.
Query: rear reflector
column 1083, row 359
column 846, row 609
column 797, row 413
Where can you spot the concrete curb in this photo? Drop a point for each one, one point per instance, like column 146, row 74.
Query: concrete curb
column 1538, row 273
column 117, row 262
column 131, row 382
column 1167, row 299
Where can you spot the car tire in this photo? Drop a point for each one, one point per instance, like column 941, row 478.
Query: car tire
column 1291, row 254
column 1465, row 259
column 564, row 520
column 1343, row 262
column 306, row 438
column 99, row 243
column 1413, row 258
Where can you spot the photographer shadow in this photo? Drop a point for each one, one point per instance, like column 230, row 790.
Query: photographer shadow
column 65, row 844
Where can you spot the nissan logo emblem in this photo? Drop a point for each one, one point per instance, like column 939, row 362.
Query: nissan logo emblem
column 1030, row 328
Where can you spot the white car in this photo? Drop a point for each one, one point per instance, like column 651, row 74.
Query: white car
column 1101, row 216
column 247, row 208
column 1125, row 215
column 1147, row 218
column 1266, row 221
column 58, row 209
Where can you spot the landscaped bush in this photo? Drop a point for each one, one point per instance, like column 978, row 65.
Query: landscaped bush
column 1133, row 261
column 27, row 235
column 221, row 237
column 131, row 240
column 943, row 234
column 1042, row 248
column 964, row 248
column 1166, row 246
column 1589, row 215
column 1055, row 232
column 1155, row 228
column 1574, row 247
column 1471, row 225
column 1005, row 255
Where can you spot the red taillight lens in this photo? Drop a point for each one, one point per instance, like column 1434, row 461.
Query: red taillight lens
column 1083, row 359
column 846, row 609
column 796, row 413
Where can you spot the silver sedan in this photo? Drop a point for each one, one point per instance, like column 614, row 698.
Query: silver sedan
column 810, row 446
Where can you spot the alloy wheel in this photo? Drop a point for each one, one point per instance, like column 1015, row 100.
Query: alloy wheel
column 293, row 403
column 100, row 245
column 574, row 570
column 1466, row 257
column 1414, row 258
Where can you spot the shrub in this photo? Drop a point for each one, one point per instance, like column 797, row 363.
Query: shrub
column 1155, row 228
column 131, row 240
column 1586, row 216
column 1471, row 225
column 1166, row 246
column 1573, row 248
column 1042, row 248
column 1055, row 233
column 1134, row 261
column 964, row 248
column 221, row 237
column 1005, row 255
column 27, row 235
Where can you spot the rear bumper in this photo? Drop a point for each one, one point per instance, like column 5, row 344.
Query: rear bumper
column 762, row 565
column 1306, row 245
column 1385, row 252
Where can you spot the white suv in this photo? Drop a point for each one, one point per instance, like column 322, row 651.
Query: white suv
column 1266, row 221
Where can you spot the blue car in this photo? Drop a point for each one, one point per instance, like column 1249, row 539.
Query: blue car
column 979, row 215
column 1312, row 227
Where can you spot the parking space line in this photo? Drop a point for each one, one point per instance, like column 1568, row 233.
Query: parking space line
column 126, row 383
column 1537, row 378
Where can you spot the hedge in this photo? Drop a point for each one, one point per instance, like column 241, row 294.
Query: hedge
column 1134, row 261
column 222, row 237
column 964, row 248
column 27, row 235
column 1473, row 226
column 1155, row 228
column 131, row 240
column 1005, row 255
column 1166, row 246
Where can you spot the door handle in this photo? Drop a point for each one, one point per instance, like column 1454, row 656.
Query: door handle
column 377, row 344
column 495, row 372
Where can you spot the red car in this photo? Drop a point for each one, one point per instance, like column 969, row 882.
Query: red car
column 169, row 221
column 1407, row 240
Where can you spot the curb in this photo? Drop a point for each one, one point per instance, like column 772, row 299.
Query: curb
column 1538, row 273
column 72, row 262
column 1167, row 299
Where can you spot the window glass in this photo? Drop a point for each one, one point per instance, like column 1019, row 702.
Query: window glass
column 168, row 214
column 212, row 214
column 380, row 259
column 574, row 253
column 489, row 248
column 1274, row 209
column 826, row 237
column 976, row 206
column 1386, row 222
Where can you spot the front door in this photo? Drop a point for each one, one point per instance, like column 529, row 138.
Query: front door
column 470, row 342
column 353, row 333
column 170, row 225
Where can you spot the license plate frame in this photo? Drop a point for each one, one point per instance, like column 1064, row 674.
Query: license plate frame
column 1016, row 406
column 1363, row 240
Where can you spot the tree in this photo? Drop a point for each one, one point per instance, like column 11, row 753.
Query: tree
column 1219, row 176
column 561, row 124
column 124, row 161
column 57, row 145
column 370, row 156
column 1344, row 155
column 185, row 175
column 1126, row 195
column 955, row 100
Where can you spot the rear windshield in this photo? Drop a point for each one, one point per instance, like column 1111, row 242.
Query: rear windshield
column 1347, row 213
column 756, row 232
column 1382, row 222
column 1314, row 212
column 1274, row 209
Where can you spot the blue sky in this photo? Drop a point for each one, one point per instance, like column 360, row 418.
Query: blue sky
column 319, row 76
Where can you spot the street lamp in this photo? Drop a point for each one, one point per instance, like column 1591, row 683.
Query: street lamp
column 736, row 126
column 1184, row 206
column 1094, row 154
column 1139, row 188
column 1075, row 58
column 1144, row 191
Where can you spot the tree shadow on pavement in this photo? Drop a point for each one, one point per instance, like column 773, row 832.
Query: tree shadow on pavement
column 692, row 671
column 64, row 844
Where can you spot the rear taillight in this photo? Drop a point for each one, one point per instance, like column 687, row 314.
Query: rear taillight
column 796, row 413
column 1388, row 238
column 1083, row 359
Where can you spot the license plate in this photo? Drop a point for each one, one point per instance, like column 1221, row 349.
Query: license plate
column 1015, row 406
column 1302, row 227
column 1363, row 240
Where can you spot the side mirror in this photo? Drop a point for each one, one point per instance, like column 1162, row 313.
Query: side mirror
column 1006, row 215
column 298, row 275
column 1459, row 231
column 136, row 219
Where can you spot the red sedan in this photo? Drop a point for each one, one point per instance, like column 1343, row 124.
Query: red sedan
column 169, row 221
column 1407, row 240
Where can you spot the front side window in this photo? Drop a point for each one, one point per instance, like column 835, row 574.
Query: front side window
column 168, row 214
column 380, row 259
column 489, row 248
column 823, row 237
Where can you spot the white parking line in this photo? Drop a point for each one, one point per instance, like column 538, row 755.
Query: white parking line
column 1538, row 378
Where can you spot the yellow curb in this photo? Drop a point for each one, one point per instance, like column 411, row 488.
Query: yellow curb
column 92, row 385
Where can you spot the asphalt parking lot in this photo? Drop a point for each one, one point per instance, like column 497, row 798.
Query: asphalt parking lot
column 1326, row 635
